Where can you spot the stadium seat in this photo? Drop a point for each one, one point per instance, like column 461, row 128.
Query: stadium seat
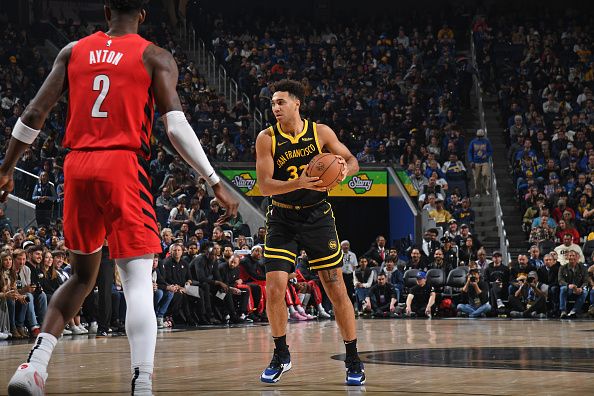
column 410, row 278
column 436, row 278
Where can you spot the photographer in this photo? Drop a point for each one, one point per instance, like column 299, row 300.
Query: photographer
column 477, row 293
column 530, row 300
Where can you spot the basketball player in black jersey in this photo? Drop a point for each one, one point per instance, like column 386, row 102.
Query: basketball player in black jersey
column 300, row 217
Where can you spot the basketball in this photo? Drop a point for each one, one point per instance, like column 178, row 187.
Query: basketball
column 327, row 168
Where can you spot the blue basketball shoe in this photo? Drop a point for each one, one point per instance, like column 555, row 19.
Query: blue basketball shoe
column 355, row 372
column 278, row 365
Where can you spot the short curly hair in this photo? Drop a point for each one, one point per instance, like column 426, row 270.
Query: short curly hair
column 294, row 88
column 125, row 5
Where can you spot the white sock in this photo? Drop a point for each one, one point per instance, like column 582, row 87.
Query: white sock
column 141, row 325
column 300, row 309
column 305, row 299
column 42, row 351
column 291, row 309
column 321, row 308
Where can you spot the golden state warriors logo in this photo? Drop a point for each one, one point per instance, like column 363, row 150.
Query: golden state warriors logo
column 332, row 244
column 244, row 182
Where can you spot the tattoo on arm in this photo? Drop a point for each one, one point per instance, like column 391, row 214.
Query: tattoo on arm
column 331, row 275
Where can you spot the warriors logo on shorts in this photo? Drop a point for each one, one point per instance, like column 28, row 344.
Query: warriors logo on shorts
column 332, row 244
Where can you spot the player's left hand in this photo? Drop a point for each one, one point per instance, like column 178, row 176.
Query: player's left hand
column 345, row 168
column 227, row 202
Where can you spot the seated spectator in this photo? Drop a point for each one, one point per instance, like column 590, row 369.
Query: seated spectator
column 35, row 263
column 176, row 275
column 465, row 214
column 481, row 261
column 455, row 174
column 567, row 246
column 25, row 304
column 50, row 282
column 476, row 292
column 178, row 216
column 573, row 280
column 363, row 280
column 308, row 285
column 417, row 260
column 382, row 299
column 237, row 298
column 565, row 228
column 421, row 298
column 219, row 237
column 535, row 260
column 549, row 275
column 522, row 266
column 542, row 233
column 530, row 300
column 591, row 293
column 452, row 229
column 394, row 276
column 253, row 274
column 162, row 293
column 429, row 243
column 439, row 214
column 377, row 253
column 468, row 252
column 259, row 237
column 497, row 276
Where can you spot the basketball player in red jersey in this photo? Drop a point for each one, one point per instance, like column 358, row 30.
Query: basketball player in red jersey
column 113, row 80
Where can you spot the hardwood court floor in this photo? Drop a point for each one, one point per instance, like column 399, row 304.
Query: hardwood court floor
column 436, row 357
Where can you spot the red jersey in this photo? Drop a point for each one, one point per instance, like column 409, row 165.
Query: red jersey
column 111, row 103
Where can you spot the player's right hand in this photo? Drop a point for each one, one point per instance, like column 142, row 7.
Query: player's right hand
column 310, row 182
column 227, row 202
column 6, row 184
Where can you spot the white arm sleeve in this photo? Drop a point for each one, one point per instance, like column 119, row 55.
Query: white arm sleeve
column 186, row 143
column 24, row 133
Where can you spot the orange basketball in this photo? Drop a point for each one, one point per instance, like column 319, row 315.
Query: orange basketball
column 327, row 168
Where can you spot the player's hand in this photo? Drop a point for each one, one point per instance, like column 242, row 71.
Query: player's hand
column 345, row 168
column 310, row 182
column 408, row 310
column 227, row 202
column 6, row 184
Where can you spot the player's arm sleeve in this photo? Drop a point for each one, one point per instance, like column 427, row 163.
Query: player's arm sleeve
column 186, row 143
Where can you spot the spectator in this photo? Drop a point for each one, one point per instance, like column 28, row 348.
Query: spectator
column 440, row 215
column 162, row 293
column 176, row 275
column 24, row 305
column 363, row 280
column 260, row 236
column 497, row 275
column 567, row 246
column 479, row 156
column 377, row 253
column 349, row 264
column 421, row 298
column 535, row 260
column 573, row 280
column 44, row 196
column 382, row 298
column 236, row 300
column 394, row 275
column 549, row 275
column 476, row 291
column 178, row 215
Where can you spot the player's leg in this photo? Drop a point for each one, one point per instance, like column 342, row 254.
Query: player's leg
column 128, row 211
column 276, row 310
column 30, row 376
column 279, row 259
column 320, row 241
column 84, row 235
column 141, row 324
column 333, row 283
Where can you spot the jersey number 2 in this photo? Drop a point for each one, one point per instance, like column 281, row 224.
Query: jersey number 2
column 293, row 171
column 100, row 83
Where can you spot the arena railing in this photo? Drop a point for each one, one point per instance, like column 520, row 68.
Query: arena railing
column 503, row 241
column 217, row 77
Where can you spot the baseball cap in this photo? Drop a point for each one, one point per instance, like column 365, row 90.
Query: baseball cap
column 452, row 221
column 421, row 275
column 480, row 132
column 532, row 274
column 256, row 247
column 26, row 244
column 464, row 225
column 496, row 253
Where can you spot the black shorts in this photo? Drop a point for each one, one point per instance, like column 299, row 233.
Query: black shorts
column 311, row 229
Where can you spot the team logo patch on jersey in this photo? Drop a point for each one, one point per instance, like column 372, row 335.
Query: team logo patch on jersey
column 108, row 43
column 307, row 139
column 332, row 244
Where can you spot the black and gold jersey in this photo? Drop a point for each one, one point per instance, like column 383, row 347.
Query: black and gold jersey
column 291, row 156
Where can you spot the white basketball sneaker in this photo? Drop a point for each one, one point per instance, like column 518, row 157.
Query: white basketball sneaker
column 27, row 381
